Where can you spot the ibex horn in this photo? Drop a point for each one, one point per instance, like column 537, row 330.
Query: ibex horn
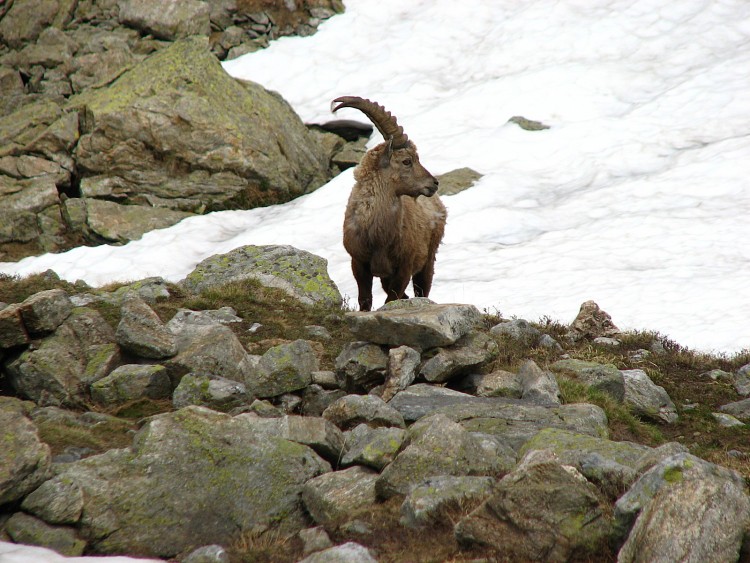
column 382, row 119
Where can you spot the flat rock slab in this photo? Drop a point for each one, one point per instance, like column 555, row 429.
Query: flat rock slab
column 420, row 324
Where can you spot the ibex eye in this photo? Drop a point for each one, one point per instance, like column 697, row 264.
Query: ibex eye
column 406, row 162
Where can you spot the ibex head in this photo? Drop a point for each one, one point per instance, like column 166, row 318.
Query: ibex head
column 398, row 157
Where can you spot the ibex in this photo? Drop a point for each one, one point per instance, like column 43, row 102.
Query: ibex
column 394, row 222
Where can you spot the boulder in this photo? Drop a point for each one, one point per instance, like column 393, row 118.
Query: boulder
column 142, row 333
column 283, row 369
column 177, row 131
column 26, row 529
column 349, row 552
column 372, row 447
column 470, row 352
column 43, row 312
column 351, row 410
column 684, row 509
column 592, row 322
column 55, row 501
column 499, row 383
column 542, row 512
column 24, row 459
column 12, row 329
column 457, row 180
column 337, row 496
column 418, row 323
column 112, row 222
column 428, row 502
column 131, row 382
column 214, row 392
column 170, row 20
column 56, row 372
column 302, row 275
column 519, row 331
column 361, row 366
column 648, row 399
column 438, row 446
column 539, row 386
column 192, row 477
column 402, row 367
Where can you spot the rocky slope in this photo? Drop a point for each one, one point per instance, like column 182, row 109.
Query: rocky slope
column 339, row 436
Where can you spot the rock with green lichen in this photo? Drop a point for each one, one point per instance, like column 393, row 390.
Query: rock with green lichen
column 24, row 459
column 26, row 529
column 542, row 512
column 193, row 477
column 141, row 332
column 428, row 502
column 373, row 447
column 436, row 445
column 334, row 497
column 302, row 275
column 470, row 352
column 351, row 410
column 131, row 382
column 283, row 369
column 361, row 366
column 56, row 501
column 214, row 392
column 684, row 509
column 56, row 372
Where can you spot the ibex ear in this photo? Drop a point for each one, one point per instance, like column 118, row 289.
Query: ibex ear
column 385, row 158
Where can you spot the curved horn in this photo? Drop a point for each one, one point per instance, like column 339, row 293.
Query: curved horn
column 382, row 119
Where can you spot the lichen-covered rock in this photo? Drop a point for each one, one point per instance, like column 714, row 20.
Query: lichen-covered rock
column 301, row 274
column 351, row 410
column 427, row 502
column 192, row 477
column 361, row 366
column 373, row 447
column 131, row 382
column 545, row 512
column 214, row 392
column 470, row 352
column 43, row 312
column 170, row 19
column 141, row 332
column 602, row 377
column 438, row 446
column 26, row 529
column 283, row 369
column 648, row 399
column 57, row 371
column 499, row 383
column 12, row 330
column 539, row 386
column 177, row 131
column 113, row 222
column 24, row 459
column 418, row 323
column 684, row 509
column 56, row 501
column 333, row 497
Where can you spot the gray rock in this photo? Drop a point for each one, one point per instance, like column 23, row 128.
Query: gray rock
column 24, row 21
column 207, row 554
column 170, row 20
column 418, row 323
column 217, row 469
column 24, row 459
column 301, row 274
column 741, row 380
column 186, row 317
column 602, row 377
column 470, row 352
column 457, row 180
column 349, row 552
column 738, row 409
column 282, row 369
column 517, row 330
column 499, row 383
column 316, row 399
column 122, row 223
column 213, row 392
column 43, row 312
column 211, row 350
column 56, row 501
column 12, row 330
column 438, row 446
column 538, row 386
column 428, row 502
column 648, row 399
column 141, row 332
column 361, row 366
column 314, row 539
column 726, row 420
column 351, row 410
column 315, row 432
column 402, row 366
column 373, row 447
column 334, row 497
column 57, row 371
column 679, row 503
column 545, row 512
column 131, row 382
column 26, row 529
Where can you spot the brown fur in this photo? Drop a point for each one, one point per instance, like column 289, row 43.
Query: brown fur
column 393, row 224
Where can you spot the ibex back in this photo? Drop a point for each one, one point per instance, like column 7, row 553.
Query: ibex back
column 394, row 222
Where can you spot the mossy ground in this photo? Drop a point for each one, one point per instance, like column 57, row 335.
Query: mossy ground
column 283, row 319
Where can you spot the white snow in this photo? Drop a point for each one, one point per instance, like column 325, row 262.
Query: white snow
column 637, row 196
